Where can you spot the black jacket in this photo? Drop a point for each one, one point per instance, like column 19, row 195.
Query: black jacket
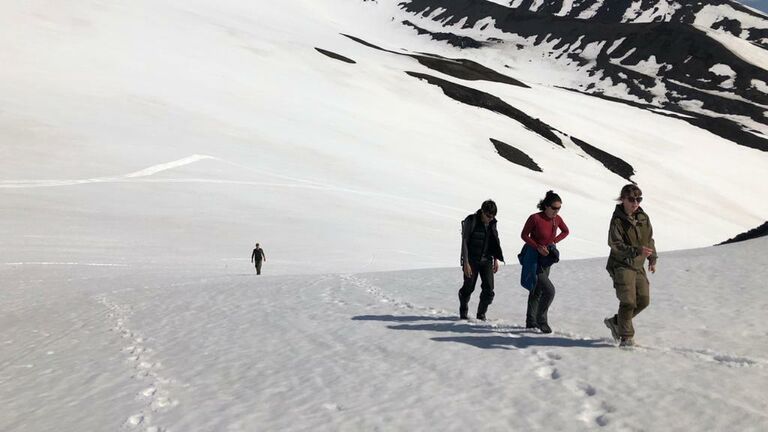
column 258, row 255
column 494, row 245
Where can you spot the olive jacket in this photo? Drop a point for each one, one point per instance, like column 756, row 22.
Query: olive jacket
column 626, row 237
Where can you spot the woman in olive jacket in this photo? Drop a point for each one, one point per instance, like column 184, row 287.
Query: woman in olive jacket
column 630, row 237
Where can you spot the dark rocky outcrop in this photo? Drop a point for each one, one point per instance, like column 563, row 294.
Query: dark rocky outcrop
column 515, row 156
column 335, row 56
column 490, row 102
column 614, row 164
column 457, row 68
column 686, row 53
column 754, row 233
column 450, row 38
column 721, row 127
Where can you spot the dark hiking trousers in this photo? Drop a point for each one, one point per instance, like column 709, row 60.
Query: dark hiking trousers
column 484, row 269
column 539, row 299
column 633, row 291
column 258, row 267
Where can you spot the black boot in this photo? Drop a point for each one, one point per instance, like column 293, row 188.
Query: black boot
column 463, row 307
column 481, row 309
column 545, row 328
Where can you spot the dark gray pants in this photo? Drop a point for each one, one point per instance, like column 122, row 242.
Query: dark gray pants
column 539, row 300
column 484, row 269
column 258, row 267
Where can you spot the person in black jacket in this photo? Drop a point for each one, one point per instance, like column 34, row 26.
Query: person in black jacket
column 480, row 256
column 257, row 256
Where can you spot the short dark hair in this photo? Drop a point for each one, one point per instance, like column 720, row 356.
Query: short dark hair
column 550, row 198
column 630, row 190
column 489, row 207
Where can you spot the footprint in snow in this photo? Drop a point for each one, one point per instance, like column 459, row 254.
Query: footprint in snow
column 134, row 420
column 332, row 407
column 548, row 372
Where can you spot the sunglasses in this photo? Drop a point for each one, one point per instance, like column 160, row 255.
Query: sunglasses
column 633, row 199
column 489, row 216
column 555, row 208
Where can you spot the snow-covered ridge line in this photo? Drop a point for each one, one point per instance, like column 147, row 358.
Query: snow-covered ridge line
column 725, row 16
column 613, row 53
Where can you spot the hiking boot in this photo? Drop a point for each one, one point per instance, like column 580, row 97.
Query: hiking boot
column 463, row 307
column 530, row 325
column 481, row 309
column 611, row 323
column 545, row 328
column 627, row 342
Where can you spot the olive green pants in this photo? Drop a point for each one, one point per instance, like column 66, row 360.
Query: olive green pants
column 633, row 291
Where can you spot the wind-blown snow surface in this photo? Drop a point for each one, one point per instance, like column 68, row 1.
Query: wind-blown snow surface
column 179, row 133
column 104, row 348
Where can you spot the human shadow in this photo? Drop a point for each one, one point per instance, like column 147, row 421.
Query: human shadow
column 483, row 335
column 522, row 342
column 407, row 318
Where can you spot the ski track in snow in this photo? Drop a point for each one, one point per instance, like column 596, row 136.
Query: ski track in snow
column 155, row 396
column 138, row 174
column 65, row 264
column 141, row 177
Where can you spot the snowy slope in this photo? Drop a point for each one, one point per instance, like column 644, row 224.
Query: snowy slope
column 114, row 348
column 176, row 134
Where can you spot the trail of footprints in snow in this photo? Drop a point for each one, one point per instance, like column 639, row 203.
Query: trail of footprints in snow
column 155, row 395
column 704, row 355
column 383, row 298
column 595, row 412
column 710, row 356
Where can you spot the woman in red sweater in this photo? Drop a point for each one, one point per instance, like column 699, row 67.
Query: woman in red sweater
column 540, row 232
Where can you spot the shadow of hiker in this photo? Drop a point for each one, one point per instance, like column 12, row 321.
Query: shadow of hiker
column 393, row 318
column 522, row 342
column 486, row 336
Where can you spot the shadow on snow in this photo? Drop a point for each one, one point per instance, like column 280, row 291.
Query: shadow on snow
column 482, row 335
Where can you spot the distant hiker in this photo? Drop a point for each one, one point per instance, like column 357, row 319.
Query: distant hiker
column 630, row 237
column 480, row 255
column 257, row 257
column 537, row 256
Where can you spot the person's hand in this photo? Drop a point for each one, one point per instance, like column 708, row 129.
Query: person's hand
column 495, row 265
column 543, row 250
column 467, row 271
column 652, row 267
column 647, row 251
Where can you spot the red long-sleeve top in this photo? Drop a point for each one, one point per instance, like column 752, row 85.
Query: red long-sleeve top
column 539, row 230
